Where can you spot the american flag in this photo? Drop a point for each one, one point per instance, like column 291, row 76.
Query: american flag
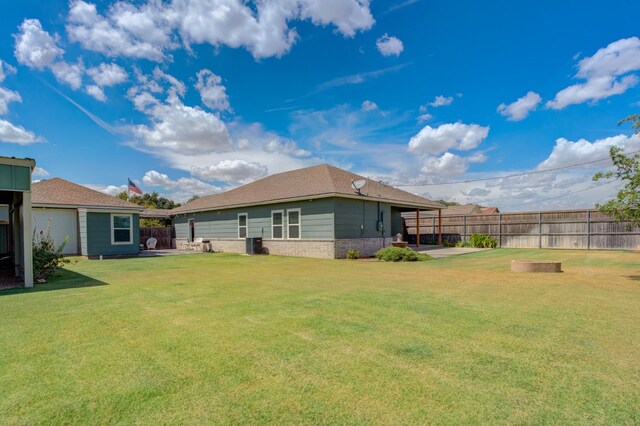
column 133, row 188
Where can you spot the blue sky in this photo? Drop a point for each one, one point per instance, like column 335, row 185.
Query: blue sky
column 198, row 96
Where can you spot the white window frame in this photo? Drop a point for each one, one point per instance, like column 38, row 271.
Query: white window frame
column 299, row 224
column 118, row 243
column 246, row 215
column 283, row 224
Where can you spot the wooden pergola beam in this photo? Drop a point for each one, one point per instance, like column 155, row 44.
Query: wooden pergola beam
column 417, row 227
column 439, row 227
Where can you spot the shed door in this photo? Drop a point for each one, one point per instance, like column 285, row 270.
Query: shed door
column 63, row 222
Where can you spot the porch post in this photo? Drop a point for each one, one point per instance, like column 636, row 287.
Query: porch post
column 417, row 227
column 27, row 230
column 439, row 227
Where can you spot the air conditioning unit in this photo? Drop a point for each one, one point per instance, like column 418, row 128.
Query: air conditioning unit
column 254, row 245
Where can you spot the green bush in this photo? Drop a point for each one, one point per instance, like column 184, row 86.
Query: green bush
column 482, row 241
column 47, row 258
column 353, row 254
column 400, row 254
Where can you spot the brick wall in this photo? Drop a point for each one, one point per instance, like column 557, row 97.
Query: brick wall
column 322, row 249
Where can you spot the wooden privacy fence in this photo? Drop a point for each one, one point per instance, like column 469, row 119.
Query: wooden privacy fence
column 164, row 236
column 570, row 229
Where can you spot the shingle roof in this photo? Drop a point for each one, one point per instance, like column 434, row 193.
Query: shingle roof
column 156, row 213
column 56, row 191
column 315, row 181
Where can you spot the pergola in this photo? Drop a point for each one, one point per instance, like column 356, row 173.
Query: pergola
column 15, row 193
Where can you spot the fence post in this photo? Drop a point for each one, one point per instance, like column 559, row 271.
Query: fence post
column 539, row 229
column 588, row 229
column 499, row 229
column 464, row 228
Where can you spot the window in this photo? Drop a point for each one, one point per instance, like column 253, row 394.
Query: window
column 277, row 224
column 243, row 222
column 121, row 232
column 293, row 221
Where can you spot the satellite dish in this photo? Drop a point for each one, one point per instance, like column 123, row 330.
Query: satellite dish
column 358, row 184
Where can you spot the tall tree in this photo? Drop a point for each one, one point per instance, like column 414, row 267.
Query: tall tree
column 626, row 205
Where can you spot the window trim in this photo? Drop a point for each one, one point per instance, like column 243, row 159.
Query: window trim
column 299, row 224
column 282, row 224
column 121, row 243
column 246, row 215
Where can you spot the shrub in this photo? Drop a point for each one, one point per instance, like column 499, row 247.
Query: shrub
column 353, row 254
column 47, row 258
column 398, row 254
column 482, row 241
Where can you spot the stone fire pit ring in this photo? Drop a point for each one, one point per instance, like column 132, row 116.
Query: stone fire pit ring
column 535, row 266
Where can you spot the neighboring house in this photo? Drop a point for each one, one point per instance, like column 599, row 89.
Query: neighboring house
column 95, row 223
column 311, row 212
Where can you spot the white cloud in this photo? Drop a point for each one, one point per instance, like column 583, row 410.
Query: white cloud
column 566, row 152
column 107, row 75
column 441, row 101
column 39, row 171
column 125, row 30
column 389, row 46
column 601, row 73
column 183, row 187
column 183, row 129
column 447, row 164
column 424, row 117
column 594, row 89
column 212, row 92
column 369, row 106
column 5, row 69
column 477, row 192
column 6, row 97
column 96, row 92
column 175, row 127
column 283, row 146
column 35, row 47
column 70, row 74
column 520, row 109
column 176, row 86
column 17, row 134
column 149, row 30
column 448, row 136
column 231, row 171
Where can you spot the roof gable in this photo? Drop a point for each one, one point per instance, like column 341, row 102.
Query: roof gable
column 60, row 192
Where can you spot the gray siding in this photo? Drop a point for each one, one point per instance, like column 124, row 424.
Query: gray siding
column 396, row 222
column 317, row 220
column 351, row 214
column 99, row 236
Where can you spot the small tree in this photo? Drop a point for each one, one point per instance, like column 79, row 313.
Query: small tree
column 626, row 205
column 47, row 258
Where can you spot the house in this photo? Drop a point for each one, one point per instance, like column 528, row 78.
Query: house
column 318, row 211
column 15, row 229
column 94, row 223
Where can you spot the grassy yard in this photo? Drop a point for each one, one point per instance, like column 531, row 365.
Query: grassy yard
column 233, row 339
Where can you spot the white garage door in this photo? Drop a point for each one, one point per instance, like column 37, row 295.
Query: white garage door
column 64, row 222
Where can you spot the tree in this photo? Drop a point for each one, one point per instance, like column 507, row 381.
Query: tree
column 149, row 200
column 193, row 197
column 626, row 205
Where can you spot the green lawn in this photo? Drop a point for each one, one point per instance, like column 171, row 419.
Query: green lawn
column 221, row 338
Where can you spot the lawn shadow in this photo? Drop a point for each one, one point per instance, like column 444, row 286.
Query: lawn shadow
column 632, row 277
column 62, row 280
